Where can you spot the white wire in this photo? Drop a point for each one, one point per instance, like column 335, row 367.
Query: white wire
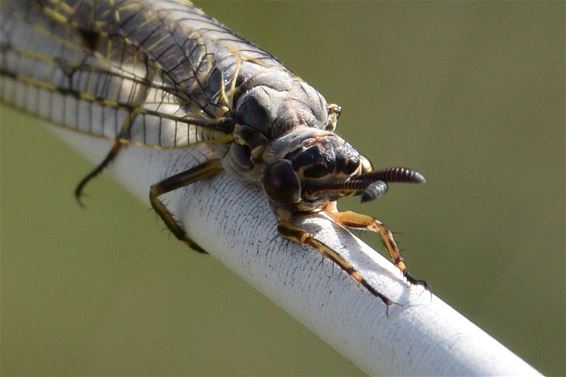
column 234, row 223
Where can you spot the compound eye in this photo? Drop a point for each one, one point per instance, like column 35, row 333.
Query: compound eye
column 281, row 182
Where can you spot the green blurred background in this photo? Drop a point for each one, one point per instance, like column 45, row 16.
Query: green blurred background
column 472, row 94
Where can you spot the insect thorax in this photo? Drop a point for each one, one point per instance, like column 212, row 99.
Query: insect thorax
column 272, row 104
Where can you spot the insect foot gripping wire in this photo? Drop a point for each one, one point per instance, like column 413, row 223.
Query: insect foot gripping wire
column 360, row 221
column 294, row 233
column 203, row 171
column 163, row 74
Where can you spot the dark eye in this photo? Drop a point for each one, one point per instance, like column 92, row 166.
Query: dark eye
column 281, row 182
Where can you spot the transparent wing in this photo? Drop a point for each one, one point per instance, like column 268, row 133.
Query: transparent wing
column 199, row 56
column 77, row 65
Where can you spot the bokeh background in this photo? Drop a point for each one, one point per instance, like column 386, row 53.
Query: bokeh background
column 470, row 93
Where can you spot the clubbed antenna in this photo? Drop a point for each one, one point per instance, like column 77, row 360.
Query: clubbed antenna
column 395, row 174
column 371, row 186
column 351, row 185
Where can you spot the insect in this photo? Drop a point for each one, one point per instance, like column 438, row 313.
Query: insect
column 164, row 74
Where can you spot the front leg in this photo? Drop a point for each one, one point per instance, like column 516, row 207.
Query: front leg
column 294, row 233
column 359, row 221
column 205, row 170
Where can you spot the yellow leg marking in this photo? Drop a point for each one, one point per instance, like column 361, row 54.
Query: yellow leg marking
column 292, row 232
column 360, row 221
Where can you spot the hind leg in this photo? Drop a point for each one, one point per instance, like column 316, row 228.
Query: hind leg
column 137, row 99
column 99, row 168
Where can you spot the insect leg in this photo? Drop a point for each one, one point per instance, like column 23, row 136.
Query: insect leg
column 292, row 232
column 118, row 144
column 97, row 170
column 357, row 220
column 205, row 170
column 122, row 136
